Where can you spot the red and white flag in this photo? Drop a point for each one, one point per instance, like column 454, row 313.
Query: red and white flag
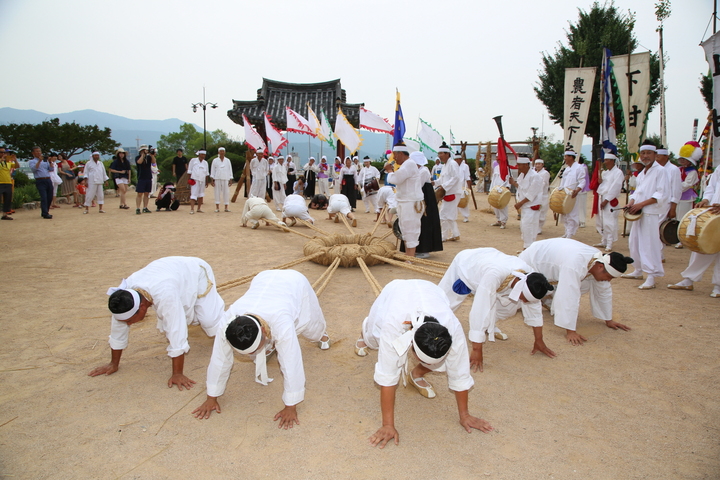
column 275, row 138
column 374, row 122
column 252, row 137
column 297, row 123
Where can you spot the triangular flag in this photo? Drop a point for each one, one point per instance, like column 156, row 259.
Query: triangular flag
column 297, row 123
column 326, row 129
column 412, row 145
column 374, row 122
column 252, row 137
column 315, row 124
column 274, row 136
column 429, row 137
column 346, row 133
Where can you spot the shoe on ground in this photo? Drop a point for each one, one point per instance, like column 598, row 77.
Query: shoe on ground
column 192, row 212
column 427, row 392
column 217, row 211
column 6, row 217
column 608, row 250
column 500, row 336
column 137, row 211
column 582, row 225
column 466, row 220
column 422, row 255
column 496, row 224
column 101, row 211
column 599, row 245
column 324, row 344
column 146, row 210
column 360, row 351
column 49, row 217
column 354, row 222
column 227, row 211
column 645, row 286
column 502, row 226
column 85, row 212
column 679, row 286
column 631, row 276
column 679, row 245
column 715, row 293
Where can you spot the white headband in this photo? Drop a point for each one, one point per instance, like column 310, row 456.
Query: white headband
column 539, row 160
column 261, row 375
column 221, row 148
column 201, row 152
column 652, row 148
column 605, row 260
column 136, row 305
column 571, row 153
column 610, row 156
column 522, row 288
column 444, row 150
column 403, row 342
column 523, row 160
column 400, row 148
column 663, row 151
column 256, row 343
column 96, row 153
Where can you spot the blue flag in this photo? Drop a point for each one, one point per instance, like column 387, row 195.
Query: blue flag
column 399, row 131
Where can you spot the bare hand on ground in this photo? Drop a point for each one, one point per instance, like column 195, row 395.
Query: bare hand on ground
column 204, row 410
column 616, row 325
column 469, row 422
column 540, row 346
column 384, row 435
column 108, row 369
column 181, row 381
column 575, row 338
column 288, row 417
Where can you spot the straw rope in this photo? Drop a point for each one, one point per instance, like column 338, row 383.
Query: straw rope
column 409, row 266
column 423, row 261
column 286, row 229
column 239, row 281
column 380, row 218
column 387, row 234
column 330, row 272
column 348, row 248
column 344, row 220
column 325, row 273
column 369, row 277
column 313, row 227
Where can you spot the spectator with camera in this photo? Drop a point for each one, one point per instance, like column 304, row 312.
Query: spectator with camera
column 144, row 162
column 120, row 170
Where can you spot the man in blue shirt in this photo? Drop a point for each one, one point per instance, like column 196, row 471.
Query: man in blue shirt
column 41, row 170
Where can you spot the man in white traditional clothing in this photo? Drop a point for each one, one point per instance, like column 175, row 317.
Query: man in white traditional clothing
column 96, row 176
column 365, row 177
column 529, row 197
column 409, row 196
column 674, row 191
column 386, row 197
column 323, row 176
column 260, row 322
column 257, row 209
column 651, row 197
column 611, row 182
column 222, row 176
column 412, row 318
column 576, row 268
column 699, row 262
column 545, row 202
column 339, row 203
column 259, row 169
column 182, row 292
column 451, row 181
column 501, row 284
column 573, row 181
column 467, row 187
column 501, row 214
column 198, row 170
column 294, row 208
column 279, row 177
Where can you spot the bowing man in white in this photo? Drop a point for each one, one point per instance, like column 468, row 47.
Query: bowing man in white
column 182, row 292
column 650, row 196
column 198, row 170
column 259, row 169
column 699, row 262
column 501, row 214
column 386, row 197
column 258, row 323
column 414, row 316
column 279, row 177
column 529, row 195
column 573, row 181
column 502, row 284
column 451, row 181
column 339, row 203
column 409, row 196
column 222, row 175
column 294, row 208
column 545, row 203
column 610, row 187
column 577, row 268
column 256, row 209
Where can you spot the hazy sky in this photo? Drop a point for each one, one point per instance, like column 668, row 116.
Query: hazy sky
column 456, row 63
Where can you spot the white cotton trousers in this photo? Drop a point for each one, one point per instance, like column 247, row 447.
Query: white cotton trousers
column 645, row 245
column 529, row 225
column 600, row 303
column 572, row 221
column 370, row 201
column 222, row 192
column 154, row 184
column 409, row 222
column 607, row 223
column 683, row 207
column 279, row 197
column 94, row 191
column 501, row 214
column 297, row 211
column 257, row 187
column 699, row 262
column 323, row 186
column 582, row 200
column 259, row 212
column 543, row 212
column 197, row 190
column 448, row 219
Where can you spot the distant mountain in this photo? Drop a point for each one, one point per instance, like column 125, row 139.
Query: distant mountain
column 124, row 130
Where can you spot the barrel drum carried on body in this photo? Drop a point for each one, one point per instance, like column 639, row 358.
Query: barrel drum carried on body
column 464, row 199
column 499, row 197
column 699, row 231
column 560, row 202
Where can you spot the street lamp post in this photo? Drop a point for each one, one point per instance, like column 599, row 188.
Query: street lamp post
column 204, row 106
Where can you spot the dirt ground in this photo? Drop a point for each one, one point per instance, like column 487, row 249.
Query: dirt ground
column 638, row 404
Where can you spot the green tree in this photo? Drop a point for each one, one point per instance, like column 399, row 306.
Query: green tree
column 551, row 152
column 51, row 135
column 602, row 26
column 706, row 85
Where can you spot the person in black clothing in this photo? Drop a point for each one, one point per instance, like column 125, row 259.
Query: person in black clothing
column 179, row 164
column 166, row 198
column 120, row 170
column 290, row 174
column 144, row 163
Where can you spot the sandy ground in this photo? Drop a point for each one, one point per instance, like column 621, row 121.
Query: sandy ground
column 639, row 404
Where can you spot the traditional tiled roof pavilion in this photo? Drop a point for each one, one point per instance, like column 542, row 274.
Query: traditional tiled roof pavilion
column 274, row 96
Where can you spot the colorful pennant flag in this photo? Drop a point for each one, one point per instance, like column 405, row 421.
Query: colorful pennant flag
column 326, row 130
column 346, row 133
column 275, row 138
column 297, row 123
column 314, row 123
column 374, row 122
column 253, row 139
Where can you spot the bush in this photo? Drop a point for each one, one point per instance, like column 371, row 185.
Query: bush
column 21, row 179
column 25, row 194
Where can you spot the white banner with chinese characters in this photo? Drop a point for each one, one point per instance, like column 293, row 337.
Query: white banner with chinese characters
column 579, row 83
column 712, row 53
column 633, row 81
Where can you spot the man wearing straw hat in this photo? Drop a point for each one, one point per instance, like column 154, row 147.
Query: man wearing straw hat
column 260, row 323
column 412, row 319
column 182, row 292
